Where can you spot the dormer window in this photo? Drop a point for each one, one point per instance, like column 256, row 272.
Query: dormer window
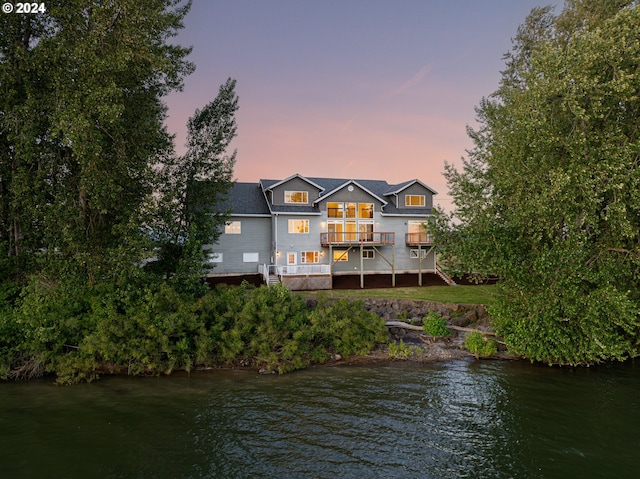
column 296, row 197
column 414, row 200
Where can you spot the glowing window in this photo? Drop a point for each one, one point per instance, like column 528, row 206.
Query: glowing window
column 414, row 200
column 296, row 197
column 298, row 226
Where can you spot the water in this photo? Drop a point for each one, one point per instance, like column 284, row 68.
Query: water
column 462, row 419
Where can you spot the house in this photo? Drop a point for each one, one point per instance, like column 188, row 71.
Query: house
column 314, row 233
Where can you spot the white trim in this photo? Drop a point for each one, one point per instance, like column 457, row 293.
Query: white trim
column 297, row 175
column 347, row 183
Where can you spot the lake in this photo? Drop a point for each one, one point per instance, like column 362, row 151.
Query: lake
column 461, row 419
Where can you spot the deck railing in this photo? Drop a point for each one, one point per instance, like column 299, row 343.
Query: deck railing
column 420, row 238
column 304, row 269
column 349, row 238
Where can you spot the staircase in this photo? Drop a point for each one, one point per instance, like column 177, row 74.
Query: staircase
column 445, row 277
column 273, row 279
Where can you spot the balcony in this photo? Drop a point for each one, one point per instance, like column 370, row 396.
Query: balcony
column 368, row 238
column 418, row 239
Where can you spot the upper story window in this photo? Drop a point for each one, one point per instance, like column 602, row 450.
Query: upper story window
column 298, row 226
column 297, row 197
column 233, row 228
column 414, row 200
column 335, row 210
column 349, row 210
column 365, row 210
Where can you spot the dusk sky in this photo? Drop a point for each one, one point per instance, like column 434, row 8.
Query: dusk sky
column 369, row 89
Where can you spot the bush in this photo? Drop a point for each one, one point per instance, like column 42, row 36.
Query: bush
column 479, row 345
column 435, row 325
column 401, row 350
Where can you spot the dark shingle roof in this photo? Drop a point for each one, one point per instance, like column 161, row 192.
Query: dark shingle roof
column 249, row 199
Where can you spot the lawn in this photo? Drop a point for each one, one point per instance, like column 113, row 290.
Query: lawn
column 443, row 294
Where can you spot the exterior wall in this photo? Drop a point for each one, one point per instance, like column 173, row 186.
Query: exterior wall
column 356, row 196
column 286, row 242
column 304, row 283
column 255, row 237
column 294, row 184
column 416, row 189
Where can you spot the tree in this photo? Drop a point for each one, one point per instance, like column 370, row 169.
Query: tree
column 194, row 184
column 81, row 124
column 549, row 198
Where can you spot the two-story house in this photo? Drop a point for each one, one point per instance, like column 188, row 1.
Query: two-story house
column 312, row 233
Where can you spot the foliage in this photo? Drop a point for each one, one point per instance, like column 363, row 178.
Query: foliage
column 479, row 345
column 401, row 350
column 549, row 198
column 191, row 187
column 138, row 327
column 435, row 325
column 81, row 125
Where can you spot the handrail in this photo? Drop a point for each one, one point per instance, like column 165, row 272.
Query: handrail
column 357, row 237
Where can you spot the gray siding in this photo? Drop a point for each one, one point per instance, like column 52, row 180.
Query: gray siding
column 294, row 184
column 255, row 237
column 415, row 189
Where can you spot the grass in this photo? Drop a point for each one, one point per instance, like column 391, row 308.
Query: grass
column 443, row 294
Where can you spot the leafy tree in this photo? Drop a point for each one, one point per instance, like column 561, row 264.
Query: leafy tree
column 549, row 198
column 193, row 184
column 81, row 124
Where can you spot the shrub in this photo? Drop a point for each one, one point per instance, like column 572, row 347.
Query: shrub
column 435, row 325
column 479, row 345
column 401, row 350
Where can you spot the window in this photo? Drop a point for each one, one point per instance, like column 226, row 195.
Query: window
column 298, row 226
column 214, row 257
column 365, row 210
column 414, row 253
column 296, row 197
column 351, row 210
column 340, row 256
column 414, row 200
column 250, row 257
column 368, row 254
column 291, row 259
column 418, row 232
column 310, row 257
column 335, row 210
column 232, row 227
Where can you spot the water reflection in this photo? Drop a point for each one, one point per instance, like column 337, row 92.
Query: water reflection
column 454, row 420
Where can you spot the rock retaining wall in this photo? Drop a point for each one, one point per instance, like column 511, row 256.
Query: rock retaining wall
column 413, row 311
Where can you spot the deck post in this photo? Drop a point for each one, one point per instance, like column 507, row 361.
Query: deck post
column 393, row 264
column 361, row 266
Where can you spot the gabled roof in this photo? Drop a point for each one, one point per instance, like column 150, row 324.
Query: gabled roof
column 344, row 185
column 250, row 199
column 270, row 184
column 395, row 189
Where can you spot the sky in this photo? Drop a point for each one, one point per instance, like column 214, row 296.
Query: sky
column 354, row 89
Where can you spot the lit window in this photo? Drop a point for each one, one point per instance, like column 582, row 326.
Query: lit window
column 365, row 210
column 414, row 200
column 291, row 259
column 298, row 226
column 296, row 197
column 232, row 228
column 335, row 210
column 310, row 257
column 351, row 210
column 340, row 256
